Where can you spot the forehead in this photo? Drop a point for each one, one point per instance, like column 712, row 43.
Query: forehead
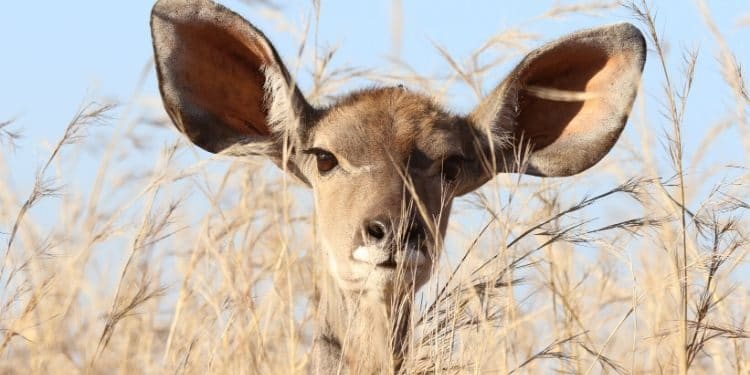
column 374, row 123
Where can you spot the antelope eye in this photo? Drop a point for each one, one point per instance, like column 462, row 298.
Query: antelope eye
column 326, row 161
column 452, row 168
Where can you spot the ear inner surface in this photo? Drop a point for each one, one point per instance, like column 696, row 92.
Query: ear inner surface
column 547, row 117
column 218, row 61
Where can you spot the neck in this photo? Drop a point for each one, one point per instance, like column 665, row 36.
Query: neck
column 360, row 332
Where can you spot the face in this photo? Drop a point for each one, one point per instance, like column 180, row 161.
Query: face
column 384, row 166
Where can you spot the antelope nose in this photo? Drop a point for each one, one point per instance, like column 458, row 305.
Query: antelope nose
column 376, row 230
column 416, row 232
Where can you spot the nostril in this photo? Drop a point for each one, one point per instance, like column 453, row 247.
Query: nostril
column 376, row 230
column 415, row 232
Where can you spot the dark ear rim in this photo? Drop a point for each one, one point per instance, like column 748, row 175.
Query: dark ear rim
column 221, row 137
column 501, row 106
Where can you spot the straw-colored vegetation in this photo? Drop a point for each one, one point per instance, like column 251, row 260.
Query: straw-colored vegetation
column 185, row 264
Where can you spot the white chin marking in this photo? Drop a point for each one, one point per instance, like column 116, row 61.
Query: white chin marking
column 370, row 254
column 374, row 255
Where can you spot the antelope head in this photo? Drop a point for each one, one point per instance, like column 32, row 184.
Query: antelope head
column 385, row 164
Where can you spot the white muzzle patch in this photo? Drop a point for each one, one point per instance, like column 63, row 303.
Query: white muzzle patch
column 375, row 255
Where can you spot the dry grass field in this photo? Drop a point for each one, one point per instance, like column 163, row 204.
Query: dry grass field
column 168, row 260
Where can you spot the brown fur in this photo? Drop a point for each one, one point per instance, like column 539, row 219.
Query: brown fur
column 223, row 84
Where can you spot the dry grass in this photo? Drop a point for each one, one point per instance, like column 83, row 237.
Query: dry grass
column 190, row 266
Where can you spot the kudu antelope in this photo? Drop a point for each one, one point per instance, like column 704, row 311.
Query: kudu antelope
column 384, row 164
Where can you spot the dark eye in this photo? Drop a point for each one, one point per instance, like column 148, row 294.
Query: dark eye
column 326, row 161
column 452, row 168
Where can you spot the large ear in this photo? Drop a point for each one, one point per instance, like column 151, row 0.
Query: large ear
column 564, row 106
column 221, row 80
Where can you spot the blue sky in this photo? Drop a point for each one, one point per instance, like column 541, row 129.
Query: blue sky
column 58, row 54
